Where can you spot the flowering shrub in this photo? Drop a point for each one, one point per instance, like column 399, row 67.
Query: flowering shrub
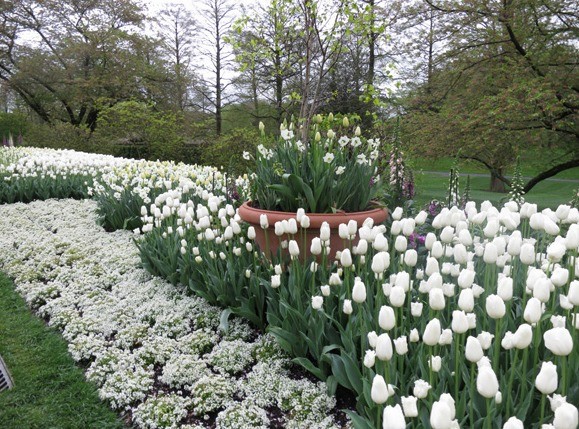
column 323, row 175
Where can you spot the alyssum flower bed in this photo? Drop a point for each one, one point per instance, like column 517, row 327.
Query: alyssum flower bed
column 157, row 354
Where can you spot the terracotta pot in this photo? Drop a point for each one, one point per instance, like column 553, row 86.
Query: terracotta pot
column 304, row 238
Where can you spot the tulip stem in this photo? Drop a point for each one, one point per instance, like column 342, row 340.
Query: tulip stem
column 489, row 418
column 497, row 345
column 542, row 406
column 471, row 387
column 456, row 365
column 511, row 378
column 563, row 375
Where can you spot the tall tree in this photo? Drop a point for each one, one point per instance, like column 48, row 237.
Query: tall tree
column 217, row 18
column 176, row 30
column 506, row 80
column 65, row 58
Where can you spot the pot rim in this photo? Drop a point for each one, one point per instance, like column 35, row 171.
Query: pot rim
column 252, row 215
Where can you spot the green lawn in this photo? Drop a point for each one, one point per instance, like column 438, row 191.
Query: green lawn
column 545, row 194
column 50, row 390
column 529, row 167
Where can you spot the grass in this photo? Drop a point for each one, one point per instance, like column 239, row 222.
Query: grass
column 50, row 390
column 529, row 167
column 545, row 194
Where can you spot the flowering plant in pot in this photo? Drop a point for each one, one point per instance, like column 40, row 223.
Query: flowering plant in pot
column 334, row 175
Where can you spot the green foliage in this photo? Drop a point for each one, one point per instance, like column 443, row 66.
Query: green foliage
column 50, row 391
column 227, row 151
column 13, row 124
column 62, row 135
column 323, row 175
column 136, row 130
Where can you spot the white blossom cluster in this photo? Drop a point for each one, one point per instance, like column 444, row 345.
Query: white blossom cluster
column 151, row 349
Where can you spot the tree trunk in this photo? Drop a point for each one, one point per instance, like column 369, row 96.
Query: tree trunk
column 496, row 184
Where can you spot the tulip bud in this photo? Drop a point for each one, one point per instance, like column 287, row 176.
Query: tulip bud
column 275, row 281
column 263, row 221
column 513, row 423
column 436, row 299
column 325, row 231
column 359, row 291
column 346, row 258
column 527, row 255
column 347, row 308
column 573, row 295
column 345, row 122
column 384, row 349
column 547, row 379
column 401, row 345
column 459, row 322
column 411, row 257
column 435, row 363
column 505, row 288
column 495, row 307
column 317, row 302
column 523, row 336
column 372, row 339
column 421, row 389
column 416, row 309
column 369, row 358
column 440, row 416
column 393, row 417
column 566, row 417
column 473, row 350
column 533, row 311
column 379, row 392
column 466, row 300
column 401, row 244
column 432, row 332
column 559, row 341
column 487, row 383
column 386, row 318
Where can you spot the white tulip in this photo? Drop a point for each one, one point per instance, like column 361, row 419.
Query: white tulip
column 487, row 383
column 359, row 291
column 369, row 358
column 384, row 349
column 416, row 309
column 386, row 318
column 466, row 278
column 432, row 332
column 485, row 339
column 513, row 423
column 459, row 322
column 445, row 337
column 473, row 350
column 411, row 257
column 523, row 336
column 566, row 417
column 556, row 251
column 421, row 217
column 560, row 276
column 393, row 417
column 440, row 416
column 397, row 296
column 573, row 295
column 527, row 255
column 414, row 336
column 372, row 339
column 495, row 307
column 436, row 299
column 505, row 288
column 435, row 363
column 294, row 249
column 533, row 311
column 559, row 341
column 379, row 391
column 347, row 307
column 421, row 389
column 409, row 405
column 547, row 379
column 401, row 345
column 317, row 302
column 401, row 244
